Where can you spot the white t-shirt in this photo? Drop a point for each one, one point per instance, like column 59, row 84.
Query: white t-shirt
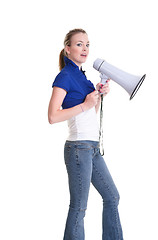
column 84, row 126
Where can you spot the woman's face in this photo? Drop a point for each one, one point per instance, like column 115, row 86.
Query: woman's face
column 79, row 49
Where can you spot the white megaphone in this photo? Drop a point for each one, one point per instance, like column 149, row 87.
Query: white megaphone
column 128, row 81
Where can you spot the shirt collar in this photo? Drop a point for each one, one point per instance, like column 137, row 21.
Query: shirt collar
column 68, row 61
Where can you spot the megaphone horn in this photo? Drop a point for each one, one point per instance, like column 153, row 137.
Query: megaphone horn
column 129, row 82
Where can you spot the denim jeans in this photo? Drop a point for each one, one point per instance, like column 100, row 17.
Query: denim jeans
column 85, row 165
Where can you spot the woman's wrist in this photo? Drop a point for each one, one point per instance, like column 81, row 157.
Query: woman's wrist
column 81, row 105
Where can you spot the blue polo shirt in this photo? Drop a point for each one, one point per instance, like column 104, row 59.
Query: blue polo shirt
column 74, row 81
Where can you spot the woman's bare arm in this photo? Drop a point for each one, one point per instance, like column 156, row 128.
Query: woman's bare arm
column 56, row 114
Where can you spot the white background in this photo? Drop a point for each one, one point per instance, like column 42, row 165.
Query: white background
column 33, row 180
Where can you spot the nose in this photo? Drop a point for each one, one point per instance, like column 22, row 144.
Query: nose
column 84, row 47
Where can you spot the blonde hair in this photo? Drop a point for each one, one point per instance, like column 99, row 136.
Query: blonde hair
column 67, row 42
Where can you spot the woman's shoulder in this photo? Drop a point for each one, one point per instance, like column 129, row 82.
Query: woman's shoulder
column 63, row 74
column 62, row 80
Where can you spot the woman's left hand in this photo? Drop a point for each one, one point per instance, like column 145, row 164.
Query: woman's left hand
column 104, row 89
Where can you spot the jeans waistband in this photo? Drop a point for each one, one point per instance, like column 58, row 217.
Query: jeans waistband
column 94, row 144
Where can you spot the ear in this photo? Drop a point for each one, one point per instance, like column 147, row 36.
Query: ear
column 67, row 49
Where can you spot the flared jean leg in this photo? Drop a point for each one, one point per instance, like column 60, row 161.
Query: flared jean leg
column 79, row 167
column 103, row 182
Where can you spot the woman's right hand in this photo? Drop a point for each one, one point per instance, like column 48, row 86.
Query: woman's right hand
column 91, row 100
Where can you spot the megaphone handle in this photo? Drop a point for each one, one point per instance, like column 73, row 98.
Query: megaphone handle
column 103, row 81
column 104, row 78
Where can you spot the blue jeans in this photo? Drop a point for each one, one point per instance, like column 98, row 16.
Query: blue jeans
column 85, row 165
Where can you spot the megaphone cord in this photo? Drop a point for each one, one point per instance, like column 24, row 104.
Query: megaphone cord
column 101, row 128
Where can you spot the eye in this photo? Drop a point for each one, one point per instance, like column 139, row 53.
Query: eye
column 79, row 44
column 87, row 45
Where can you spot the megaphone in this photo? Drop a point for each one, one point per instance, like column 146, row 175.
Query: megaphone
column 129, row 82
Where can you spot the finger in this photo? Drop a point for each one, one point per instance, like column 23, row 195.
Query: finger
column 104, row 89
column 96, row 92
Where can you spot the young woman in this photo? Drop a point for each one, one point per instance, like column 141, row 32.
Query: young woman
column 80, row 102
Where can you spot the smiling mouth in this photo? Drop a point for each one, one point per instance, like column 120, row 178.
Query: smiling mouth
column 83, row 55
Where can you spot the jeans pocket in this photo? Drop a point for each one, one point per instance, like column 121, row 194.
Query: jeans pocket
column 83, row 146
column 83, row 152
column 76, row 152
